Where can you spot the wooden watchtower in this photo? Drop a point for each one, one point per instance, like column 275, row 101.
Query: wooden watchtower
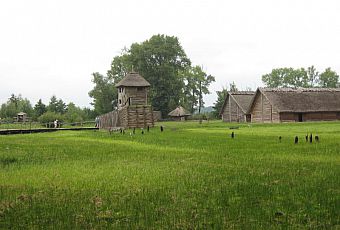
column 133, row 108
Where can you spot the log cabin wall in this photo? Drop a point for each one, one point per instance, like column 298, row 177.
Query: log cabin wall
column 137, row 95
column 232, row 112
column 139, row 116
column 263, row 111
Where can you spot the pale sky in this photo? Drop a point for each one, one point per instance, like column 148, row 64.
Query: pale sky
column 51, row 47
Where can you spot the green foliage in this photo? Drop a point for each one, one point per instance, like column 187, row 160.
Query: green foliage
column 196, row 85
column 104, row 94
column 159, row 60
column 190, row 176
column 289, row 77
column 329, row 79
column 162, row 61
column 39, row 109
column 221, row 95
column 56, row 105
column 74, row 114
column 14, row 105
column 50, row 117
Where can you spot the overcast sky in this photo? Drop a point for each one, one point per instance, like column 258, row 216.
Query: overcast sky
column 51, row 47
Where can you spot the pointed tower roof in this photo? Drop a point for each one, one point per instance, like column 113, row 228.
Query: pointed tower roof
column 133, row 79
column 179, row 112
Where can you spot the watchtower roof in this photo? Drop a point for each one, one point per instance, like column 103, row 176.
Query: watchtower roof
column 133, row 79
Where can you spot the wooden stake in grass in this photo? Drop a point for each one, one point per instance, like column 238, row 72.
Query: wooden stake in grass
column 296, row 141
column 162, row 129
column 280, row 138
column 317, row 138
column 232, row 135
column 311, row 138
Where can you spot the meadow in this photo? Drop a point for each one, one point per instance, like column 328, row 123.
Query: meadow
column 190, row 176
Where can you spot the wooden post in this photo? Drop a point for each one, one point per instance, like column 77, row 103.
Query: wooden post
column 229, row 108
column 262, row 107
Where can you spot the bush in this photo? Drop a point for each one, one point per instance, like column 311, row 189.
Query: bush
column 50, row 117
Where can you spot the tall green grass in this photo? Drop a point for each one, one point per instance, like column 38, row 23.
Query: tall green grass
column 189, row 176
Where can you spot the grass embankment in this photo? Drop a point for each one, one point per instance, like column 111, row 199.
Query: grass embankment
column 189, row 176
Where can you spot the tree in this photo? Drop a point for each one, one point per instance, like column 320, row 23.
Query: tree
column 74, row 113
column 312, row 76
column 39, row 109
column 53, row 104
column 14, row 105
column 104, row 94
column 160, row 60
column 221, row 95
column 329, row 79
column 289, row 77
column 233, row 87
column 61, row 107
column 197, row 84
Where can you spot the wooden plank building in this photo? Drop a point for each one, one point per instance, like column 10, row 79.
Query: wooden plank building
column 297, row 105
column 236, row 105
column 133, row 110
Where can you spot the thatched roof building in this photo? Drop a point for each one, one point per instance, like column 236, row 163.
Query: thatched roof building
column 133, row 109
column 179, row 113
column 236, row 105
column 302, row 104
column 133, row 79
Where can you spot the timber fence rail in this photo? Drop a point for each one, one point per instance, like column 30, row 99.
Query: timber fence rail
column 30, row 125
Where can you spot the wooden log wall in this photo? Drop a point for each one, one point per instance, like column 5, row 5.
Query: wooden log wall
column 263, row 111
column 140, row 116
column 232, row 112
column 109, row 120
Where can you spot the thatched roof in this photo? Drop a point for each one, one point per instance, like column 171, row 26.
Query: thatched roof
column 242, row 98
column 303, row 99
column 21, row 114
column 179, row 112
column 133, row 79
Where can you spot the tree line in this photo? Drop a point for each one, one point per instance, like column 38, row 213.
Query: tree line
column 162, row 61
column 301, row 77
column 55, row 109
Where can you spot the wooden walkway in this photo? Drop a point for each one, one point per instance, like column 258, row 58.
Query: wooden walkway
column 42, row 130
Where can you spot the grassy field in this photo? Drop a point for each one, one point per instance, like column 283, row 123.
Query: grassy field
column 37, row 125
column 189, row 176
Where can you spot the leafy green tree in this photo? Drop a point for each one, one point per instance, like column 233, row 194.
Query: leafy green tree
column 233, row 87
column 53, row 104
column 49, row 117
column 120, row 66
column 159, row 60
column 74, row 113
column 14, row 105
column 197, row 84
column 312, row 76
column 221, row 95
column 61, row 107
column 104, row 94
column 329, row 79
column 289, row 77
column 39, row 109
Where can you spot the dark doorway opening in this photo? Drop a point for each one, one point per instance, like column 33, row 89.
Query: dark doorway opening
column 300, row 117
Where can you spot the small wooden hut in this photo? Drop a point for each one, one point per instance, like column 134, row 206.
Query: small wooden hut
column 297, row 105
column 236, row 105
column 179, row 114
column 21, row 117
